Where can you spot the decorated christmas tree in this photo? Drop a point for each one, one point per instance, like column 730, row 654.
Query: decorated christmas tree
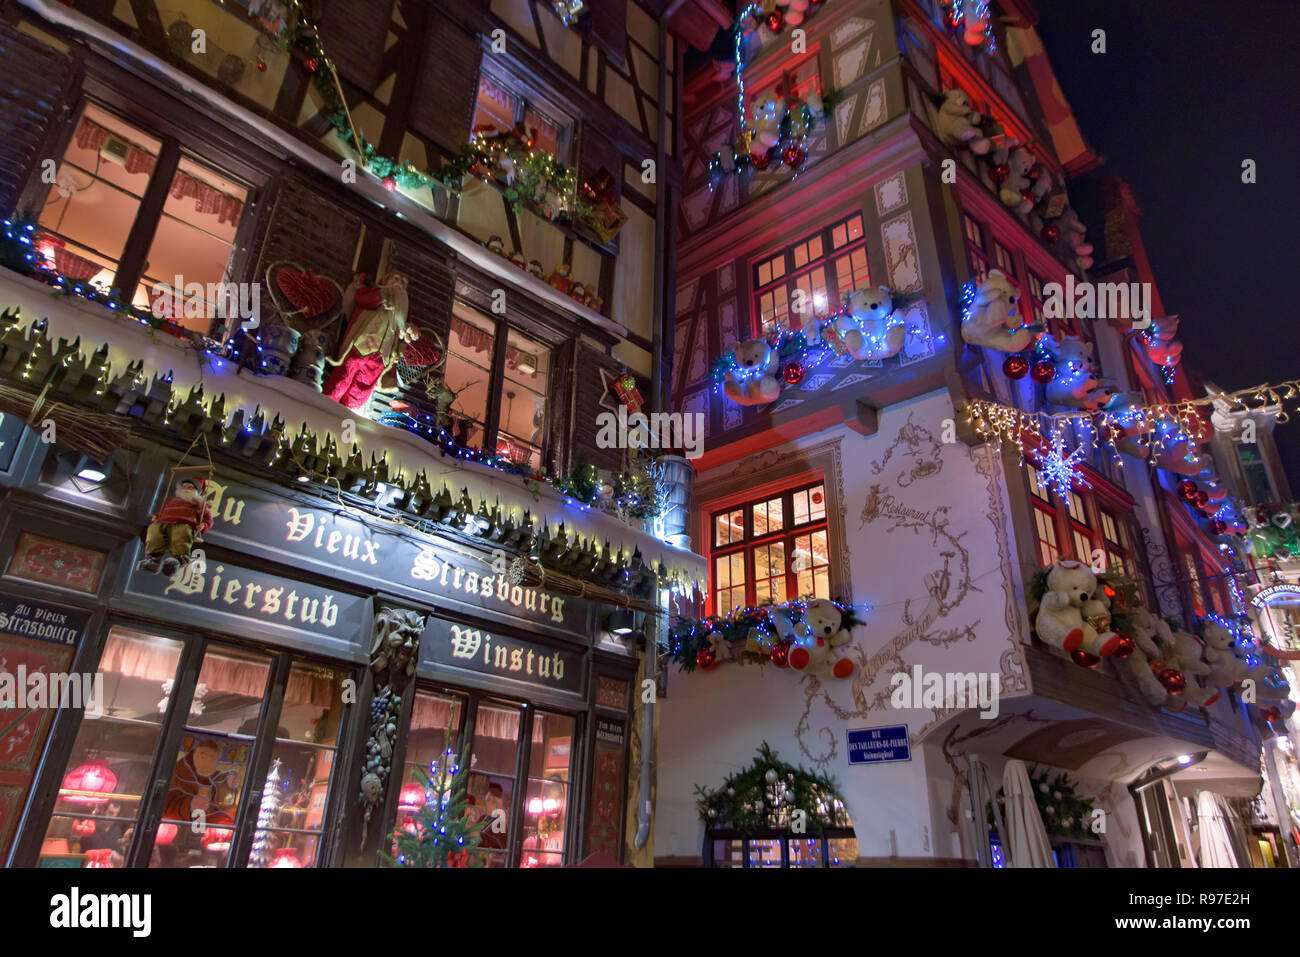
column 261, row 853
column 440, row 834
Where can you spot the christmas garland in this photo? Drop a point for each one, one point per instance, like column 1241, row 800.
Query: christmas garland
column 533, row 179
column 691, row 642
column 1064, row 811
column 764, row 796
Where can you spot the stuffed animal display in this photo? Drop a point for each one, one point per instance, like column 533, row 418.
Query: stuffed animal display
column 753, row 381
column 993, row 319
column 176, row 527
column 1162, row 348
column 1149, row 634
column 1014, row 191
column 818, row 640
column 765, row 123
column 1127, row 423
column 1074, row 613
column 958, row 124
column 1075, row 235
column 872, row 329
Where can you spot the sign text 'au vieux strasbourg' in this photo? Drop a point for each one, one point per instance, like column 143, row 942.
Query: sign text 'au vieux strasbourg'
column 339, row 545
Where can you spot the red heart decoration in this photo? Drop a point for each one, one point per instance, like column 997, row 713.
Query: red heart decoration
column 310, row 294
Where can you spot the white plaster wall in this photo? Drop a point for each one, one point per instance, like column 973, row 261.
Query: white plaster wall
column 908, row 499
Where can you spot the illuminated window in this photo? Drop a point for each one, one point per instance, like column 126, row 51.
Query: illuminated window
column 771, row 549
column 503, row 104
column 1006, row 262
column 979, row 258
column 91, row 219
column 811, row 277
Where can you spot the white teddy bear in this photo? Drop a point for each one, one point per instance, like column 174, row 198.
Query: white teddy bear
column 1225, row 666
column 818, row 640
column 959, row 124
column 994, row 318
column 1184, row 654
column 1075, row 235
column 754, row 381
column 870, row 333
column 765, row 122
column 1149, row 634
column 1012, row 190
column 1073, row 614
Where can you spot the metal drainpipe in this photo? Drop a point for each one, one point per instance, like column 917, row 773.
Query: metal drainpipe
column 656, row 398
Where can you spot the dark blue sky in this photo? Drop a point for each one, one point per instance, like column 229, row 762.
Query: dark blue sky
column 1185, row 92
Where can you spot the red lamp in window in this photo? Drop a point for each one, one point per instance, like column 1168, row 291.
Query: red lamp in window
column 286, row 857
column 89, row 783
column 217, row 838
column 411, row 798
column 166, row 833
column 83, row 827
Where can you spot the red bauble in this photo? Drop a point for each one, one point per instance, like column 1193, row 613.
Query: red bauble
column 764, row 160
column 1218, row 526
column 793, row 372
column 1043, row 371
column 999, row 172
column 261, row 66
column 1034, row 173
column 1187, row 490
column 775, row 21
column 311, row 63
column 1027, row 196
column 781, row 655
column 706, row 659
column 1126, row 645
column 1051, row 233
column 1202, row 498
column 390, row 184
column 794, row 156
column 1172, row 679
column 1015, row 366
column 1083, row 659
column 1271, row 714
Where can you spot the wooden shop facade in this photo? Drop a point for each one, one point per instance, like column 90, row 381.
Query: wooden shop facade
column 349, row 618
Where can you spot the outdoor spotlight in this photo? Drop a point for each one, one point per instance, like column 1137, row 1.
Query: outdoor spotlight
column 1184, row 759
column 620, row 622
column 83, row 467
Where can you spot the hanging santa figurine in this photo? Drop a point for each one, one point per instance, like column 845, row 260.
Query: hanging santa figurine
column 376, row 335
column 174, row 529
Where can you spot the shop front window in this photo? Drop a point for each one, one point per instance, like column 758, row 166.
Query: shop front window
column 836, row 847
column 200, row 795
column 493, row 760
column 546, row 801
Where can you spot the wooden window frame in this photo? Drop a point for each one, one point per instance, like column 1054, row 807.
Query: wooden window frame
column 830, row 255
column 1092, row 504
column 530, row 96
column 749, row 542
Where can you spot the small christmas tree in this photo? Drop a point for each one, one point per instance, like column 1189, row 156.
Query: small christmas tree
column 441, row 837
column 261, row 853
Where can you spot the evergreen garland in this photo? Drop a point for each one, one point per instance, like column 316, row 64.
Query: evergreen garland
column 1064, row 812
column 690, row 637
column 763, row 795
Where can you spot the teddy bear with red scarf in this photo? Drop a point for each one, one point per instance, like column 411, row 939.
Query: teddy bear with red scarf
column 176, row 527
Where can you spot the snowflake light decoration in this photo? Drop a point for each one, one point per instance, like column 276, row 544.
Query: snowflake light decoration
column 1060, row 471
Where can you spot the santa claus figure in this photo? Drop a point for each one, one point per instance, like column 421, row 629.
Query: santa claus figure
column 376, row 335
column 173, row 531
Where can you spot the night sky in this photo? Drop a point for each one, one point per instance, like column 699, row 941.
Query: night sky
column 1185, row 92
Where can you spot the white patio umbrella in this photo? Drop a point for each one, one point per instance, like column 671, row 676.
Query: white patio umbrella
column 1212, row 825
column 1026, row 839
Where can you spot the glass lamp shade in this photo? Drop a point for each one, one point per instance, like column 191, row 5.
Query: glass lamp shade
column 89, row 783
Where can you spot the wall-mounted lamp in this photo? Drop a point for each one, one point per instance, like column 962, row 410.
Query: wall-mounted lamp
column 620, row 622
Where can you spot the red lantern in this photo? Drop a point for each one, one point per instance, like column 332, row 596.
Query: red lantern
column 166, row 833
column 1172, row 679
column 390, row 183
column 1126, row 645
column 794, row 372
column 793, row 156
column 1015, row 366
column 217, row 838
column 775, row 20
column 84, row 827
column 1202, row 498
column 781, row 655
column 1084, row 660
column 706, row 659
column 411, row 798
column 1051, row 233
column 999, row 173
column 95, row 782
column 1043, row 371
column 286, row 857
column 1187, row 490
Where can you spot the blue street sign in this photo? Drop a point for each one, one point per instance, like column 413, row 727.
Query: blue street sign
column 876, row 745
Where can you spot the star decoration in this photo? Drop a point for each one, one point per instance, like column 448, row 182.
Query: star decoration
column 1059, row 470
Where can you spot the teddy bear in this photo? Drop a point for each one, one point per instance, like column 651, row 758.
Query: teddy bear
column 1075, row 235
column 1012, row 190
column 869, row 332
column 1072, row 614
column 1183, row 653
column 993, row 318
column 818, row 640
column 753, row 381
column 1126, row 423
column 958, row 124
column 1148, row 633
column 1220, row 655
column 1162, row 348
column 765, row 124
